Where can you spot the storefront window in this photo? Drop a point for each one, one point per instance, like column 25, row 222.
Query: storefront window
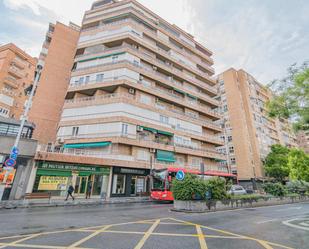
column 119, row 184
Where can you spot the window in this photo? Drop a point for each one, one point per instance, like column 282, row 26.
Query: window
column 233, row 160
column 124, row 129
column 143, row 155
column 231, row 149
column 180, row 160
column 99, row 77
column 229, row 138
column 119, row 182
column 75, row 131
column 81, row 80
column 87, row 79
column 163, row 119
column 145, row 99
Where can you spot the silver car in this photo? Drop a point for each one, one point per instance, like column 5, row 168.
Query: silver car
column 237, row 190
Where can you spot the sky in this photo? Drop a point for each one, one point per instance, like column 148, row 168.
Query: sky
column 264, row 37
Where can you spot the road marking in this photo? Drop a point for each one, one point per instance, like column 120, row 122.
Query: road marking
column 265, row 221
column 263, row 243
column 21, row 240
column 287, row 222
column 304, row 224
column 176, row 234
column 285, row 209
column 201, row 237
column 147, row 235
column 89, row 237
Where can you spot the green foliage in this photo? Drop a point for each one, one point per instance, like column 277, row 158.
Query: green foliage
column 298, row 187
column 253, row 197
column 275, row 189
column 292, row 96
column 192, row 185
column 276, row 162
column 217, row 186
column 298, row 162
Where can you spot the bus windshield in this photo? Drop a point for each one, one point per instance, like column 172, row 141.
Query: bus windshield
column 159, row 180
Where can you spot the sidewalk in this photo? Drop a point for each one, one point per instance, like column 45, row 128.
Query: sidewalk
column 57, row 202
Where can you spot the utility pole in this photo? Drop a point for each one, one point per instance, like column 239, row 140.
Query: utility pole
column 10, row 163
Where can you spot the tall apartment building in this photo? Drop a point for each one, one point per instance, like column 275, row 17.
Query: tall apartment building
column 248, row 131
column 56, row 57
column 141, row 97
column 16, row 74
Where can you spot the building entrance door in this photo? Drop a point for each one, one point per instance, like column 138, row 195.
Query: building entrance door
column 81, row 185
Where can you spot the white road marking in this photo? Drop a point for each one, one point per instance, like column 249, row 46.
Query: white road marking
column 265, row 221
column 285, row 209
column 288, row 223
column 304, row 224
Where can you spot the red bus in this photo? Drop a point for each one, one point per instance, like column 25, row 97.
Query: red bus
column 162, row 179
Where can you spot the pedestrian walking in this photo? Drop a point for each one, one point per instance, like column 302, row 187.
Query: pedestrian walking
column 70, row 192
column 89, row 188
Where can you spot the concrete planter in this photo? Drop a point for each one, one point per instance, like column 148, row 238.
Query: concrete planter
column 207, row 206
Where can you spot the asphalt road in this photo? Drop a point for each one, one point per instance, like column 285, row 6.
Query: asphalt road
column 153, row 226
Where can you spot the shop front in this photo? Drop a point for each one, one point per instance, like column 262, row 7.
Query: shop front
column 57, row 177
column 129, row 182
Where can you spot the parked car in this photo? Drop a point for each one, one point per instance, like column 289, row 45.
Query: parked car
column 237, row 190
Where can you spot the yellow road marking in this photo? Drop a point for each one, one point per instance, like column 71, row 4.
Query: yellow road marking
column 147, row 235
column 264, row 244
column 88, row 237
column 128, row 232
column 175, row 234
column 21, row 240
column 201, row 237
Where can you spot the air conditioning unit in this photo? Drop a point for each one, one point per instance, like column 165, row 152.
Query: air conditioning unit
column 132, row 91
column 152, row 150
column 60, row 140
column 141, row 77
column 139, row 128
column 154, row 68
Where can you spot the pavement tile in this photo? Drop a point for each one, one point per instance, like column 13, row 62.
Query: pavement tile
column 57, row 239
column 168, row 242
column 113, row 241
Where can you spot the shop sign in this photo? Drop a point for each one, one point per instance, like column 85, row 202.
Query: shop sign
column 53, row 183
column 73, row 167
column 130, row 171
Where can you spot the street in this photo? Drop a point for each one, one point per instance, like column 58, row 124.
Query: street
column 154, row 226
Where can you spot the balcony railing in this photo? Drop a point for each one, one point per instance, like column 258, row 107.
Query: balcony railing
column 16, row 71
column 176, row 113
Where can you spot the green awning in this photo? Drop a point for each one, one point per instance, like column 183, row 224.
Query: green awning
column 86, row 145
column 85, row 173
column 101, row 57
column 179, row 91
column 191, row 96
column 44, row 172
column 166, row 156
column 149, row 129
column 165, row 133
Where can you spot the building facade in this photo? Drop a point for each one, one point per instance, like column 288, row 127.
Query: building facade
column 16, row 74
column 56, row 57
column 303, row 140
column 140, row 97
column 14, row 183
column 248, row 131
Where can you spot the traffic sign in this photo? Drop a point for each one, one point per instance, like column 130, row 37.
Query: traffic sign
column 14, row 153
column 180, row 175
column 10, row 162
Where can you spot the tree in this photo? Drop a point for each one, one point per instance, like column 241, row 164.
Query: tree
column 291, row 97
column 298, row 162
column 276, row 162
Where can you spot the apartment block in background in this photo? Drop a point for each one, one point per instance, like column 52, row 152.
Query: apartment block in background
column 140, row 97
column 16, row 74
column 56, row 57
column 248, row 131
column 303, row 140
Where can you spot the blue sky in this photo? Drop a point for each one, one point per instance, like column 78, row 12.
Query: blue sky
column 262, row 36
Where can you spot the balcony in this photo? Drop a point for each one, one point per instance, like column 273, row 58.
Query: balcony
column 16, row 72
column 21, row 64
column 11, row 81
